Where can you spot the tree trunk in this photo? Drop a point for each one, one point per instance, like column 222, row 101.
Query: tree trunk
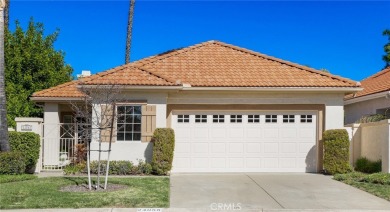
column 129, row 31
column 4, row 143
column 6, row 14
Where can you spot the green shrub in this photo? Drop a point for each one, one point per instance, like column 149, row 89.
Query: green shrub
column 366, row 166
column 121, row 167
column 116, row 168
column 371, row 118
column 74, row 168
column 164, row 144
column 28, row 144
column 12, row 163
column 336, row 151
column 143, row 168
column 376, row 178
column 350, row 177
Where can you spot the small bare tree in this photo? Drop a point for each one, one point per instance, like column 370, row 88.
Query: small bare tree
column 97, row 116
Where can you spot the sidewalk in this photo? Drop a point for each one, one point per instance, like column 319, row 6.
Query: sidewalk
column 181, row 210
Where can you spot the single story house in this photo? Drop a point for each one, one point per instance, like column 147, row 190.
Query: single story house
column 232, row 109
column 374, row 99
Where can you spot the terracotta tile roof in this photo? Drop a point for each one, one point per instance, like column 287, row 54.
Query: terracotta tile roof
column 127, row 75
column 208, row 64
column 216, row 64
column 376, row 83
column 68, row 89
column 121, row 75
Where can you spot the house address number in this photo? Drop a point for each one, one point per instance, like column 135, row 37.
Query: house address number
column 26, row 127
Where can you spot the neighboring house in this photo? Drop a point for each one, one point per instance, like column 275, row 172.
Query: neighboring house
column 232, row 109
column 374, row 99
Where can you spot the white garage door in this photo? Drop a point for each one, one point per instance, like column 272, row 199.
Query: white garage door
column 245, row 141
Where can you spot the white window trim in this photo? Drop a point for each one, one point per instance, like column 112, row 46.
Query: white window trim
column 116, row 121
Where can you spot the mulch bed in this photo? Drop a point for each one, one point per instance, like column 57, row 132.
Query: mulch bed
column 84, row 188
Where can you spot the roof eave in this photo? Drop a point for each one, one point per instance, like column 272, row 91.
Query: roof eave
column 132, row 87
column 385, row 94
column 346, row 90
column 54, row 99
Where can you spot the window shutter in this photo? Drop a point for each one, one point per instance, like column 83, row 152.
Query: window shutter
column 106, row 113
column 148, row 122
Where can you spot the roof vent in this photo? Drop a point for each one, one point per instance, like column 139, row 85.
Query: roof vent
column 84, row 73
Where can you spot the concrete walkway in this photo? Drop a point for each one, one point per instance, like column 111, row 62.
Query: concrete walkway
column 269, row 191
column 178, row 210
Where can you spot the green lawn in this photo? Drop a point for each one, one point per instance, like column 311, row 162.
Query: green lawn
column 377, row 184
column 45, row 193
column 15, row 178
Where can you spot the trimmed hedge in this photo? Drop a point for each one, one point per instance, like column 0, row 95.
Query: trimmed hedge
column 336, row 151
column 12, row 163
column 164, row 144
column 366, row 166
column 119, row 167
column 28, row 144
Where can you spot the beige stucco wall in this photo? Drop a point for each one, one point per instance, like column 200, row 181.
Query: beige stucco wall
column 136, row 150
column 332, row 102
column 371, row 140
column 354, row 111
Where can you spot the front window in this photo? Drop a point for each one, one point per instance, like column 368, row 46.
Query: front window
column 129, row 123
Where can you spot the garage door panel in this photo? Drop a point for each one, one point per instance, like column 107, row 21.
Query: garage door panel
column 218, row 148
column 217, row 133
column 236, row 162
column 200, row 147
column 288, row 147
column 271, row 132
column 253, row 148
column 288, row 133
column 253, row 163
column 182, row 148
column 200, row 133
column 305, row 147
column 183, row 163
column 271, row 147
column 253, row 133
column 236, row 148
column 246, row 146
column 200, row 163
column 236, row 134
column 270, row 162
column 307, row 133
column 287, row 163
column 183, row 134
column 218, row 163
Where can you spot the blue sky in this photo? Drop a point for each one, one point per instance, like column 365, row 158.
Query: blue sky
column 344, row 37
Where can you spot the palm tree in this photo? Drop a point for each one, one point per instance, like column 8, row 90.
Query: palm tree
column 129, row 31
column 6, row 13
column 4, row 143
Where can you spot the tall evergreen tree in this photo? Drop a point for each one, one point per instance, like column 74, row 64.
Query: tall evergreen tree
column 31, row 64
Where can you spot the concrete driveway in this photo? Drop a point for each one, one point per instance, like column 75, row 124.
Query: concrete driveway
column 268, row 191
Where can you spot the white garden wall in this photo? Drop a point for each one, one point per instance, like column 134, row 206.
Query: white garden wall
column 371, row 140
